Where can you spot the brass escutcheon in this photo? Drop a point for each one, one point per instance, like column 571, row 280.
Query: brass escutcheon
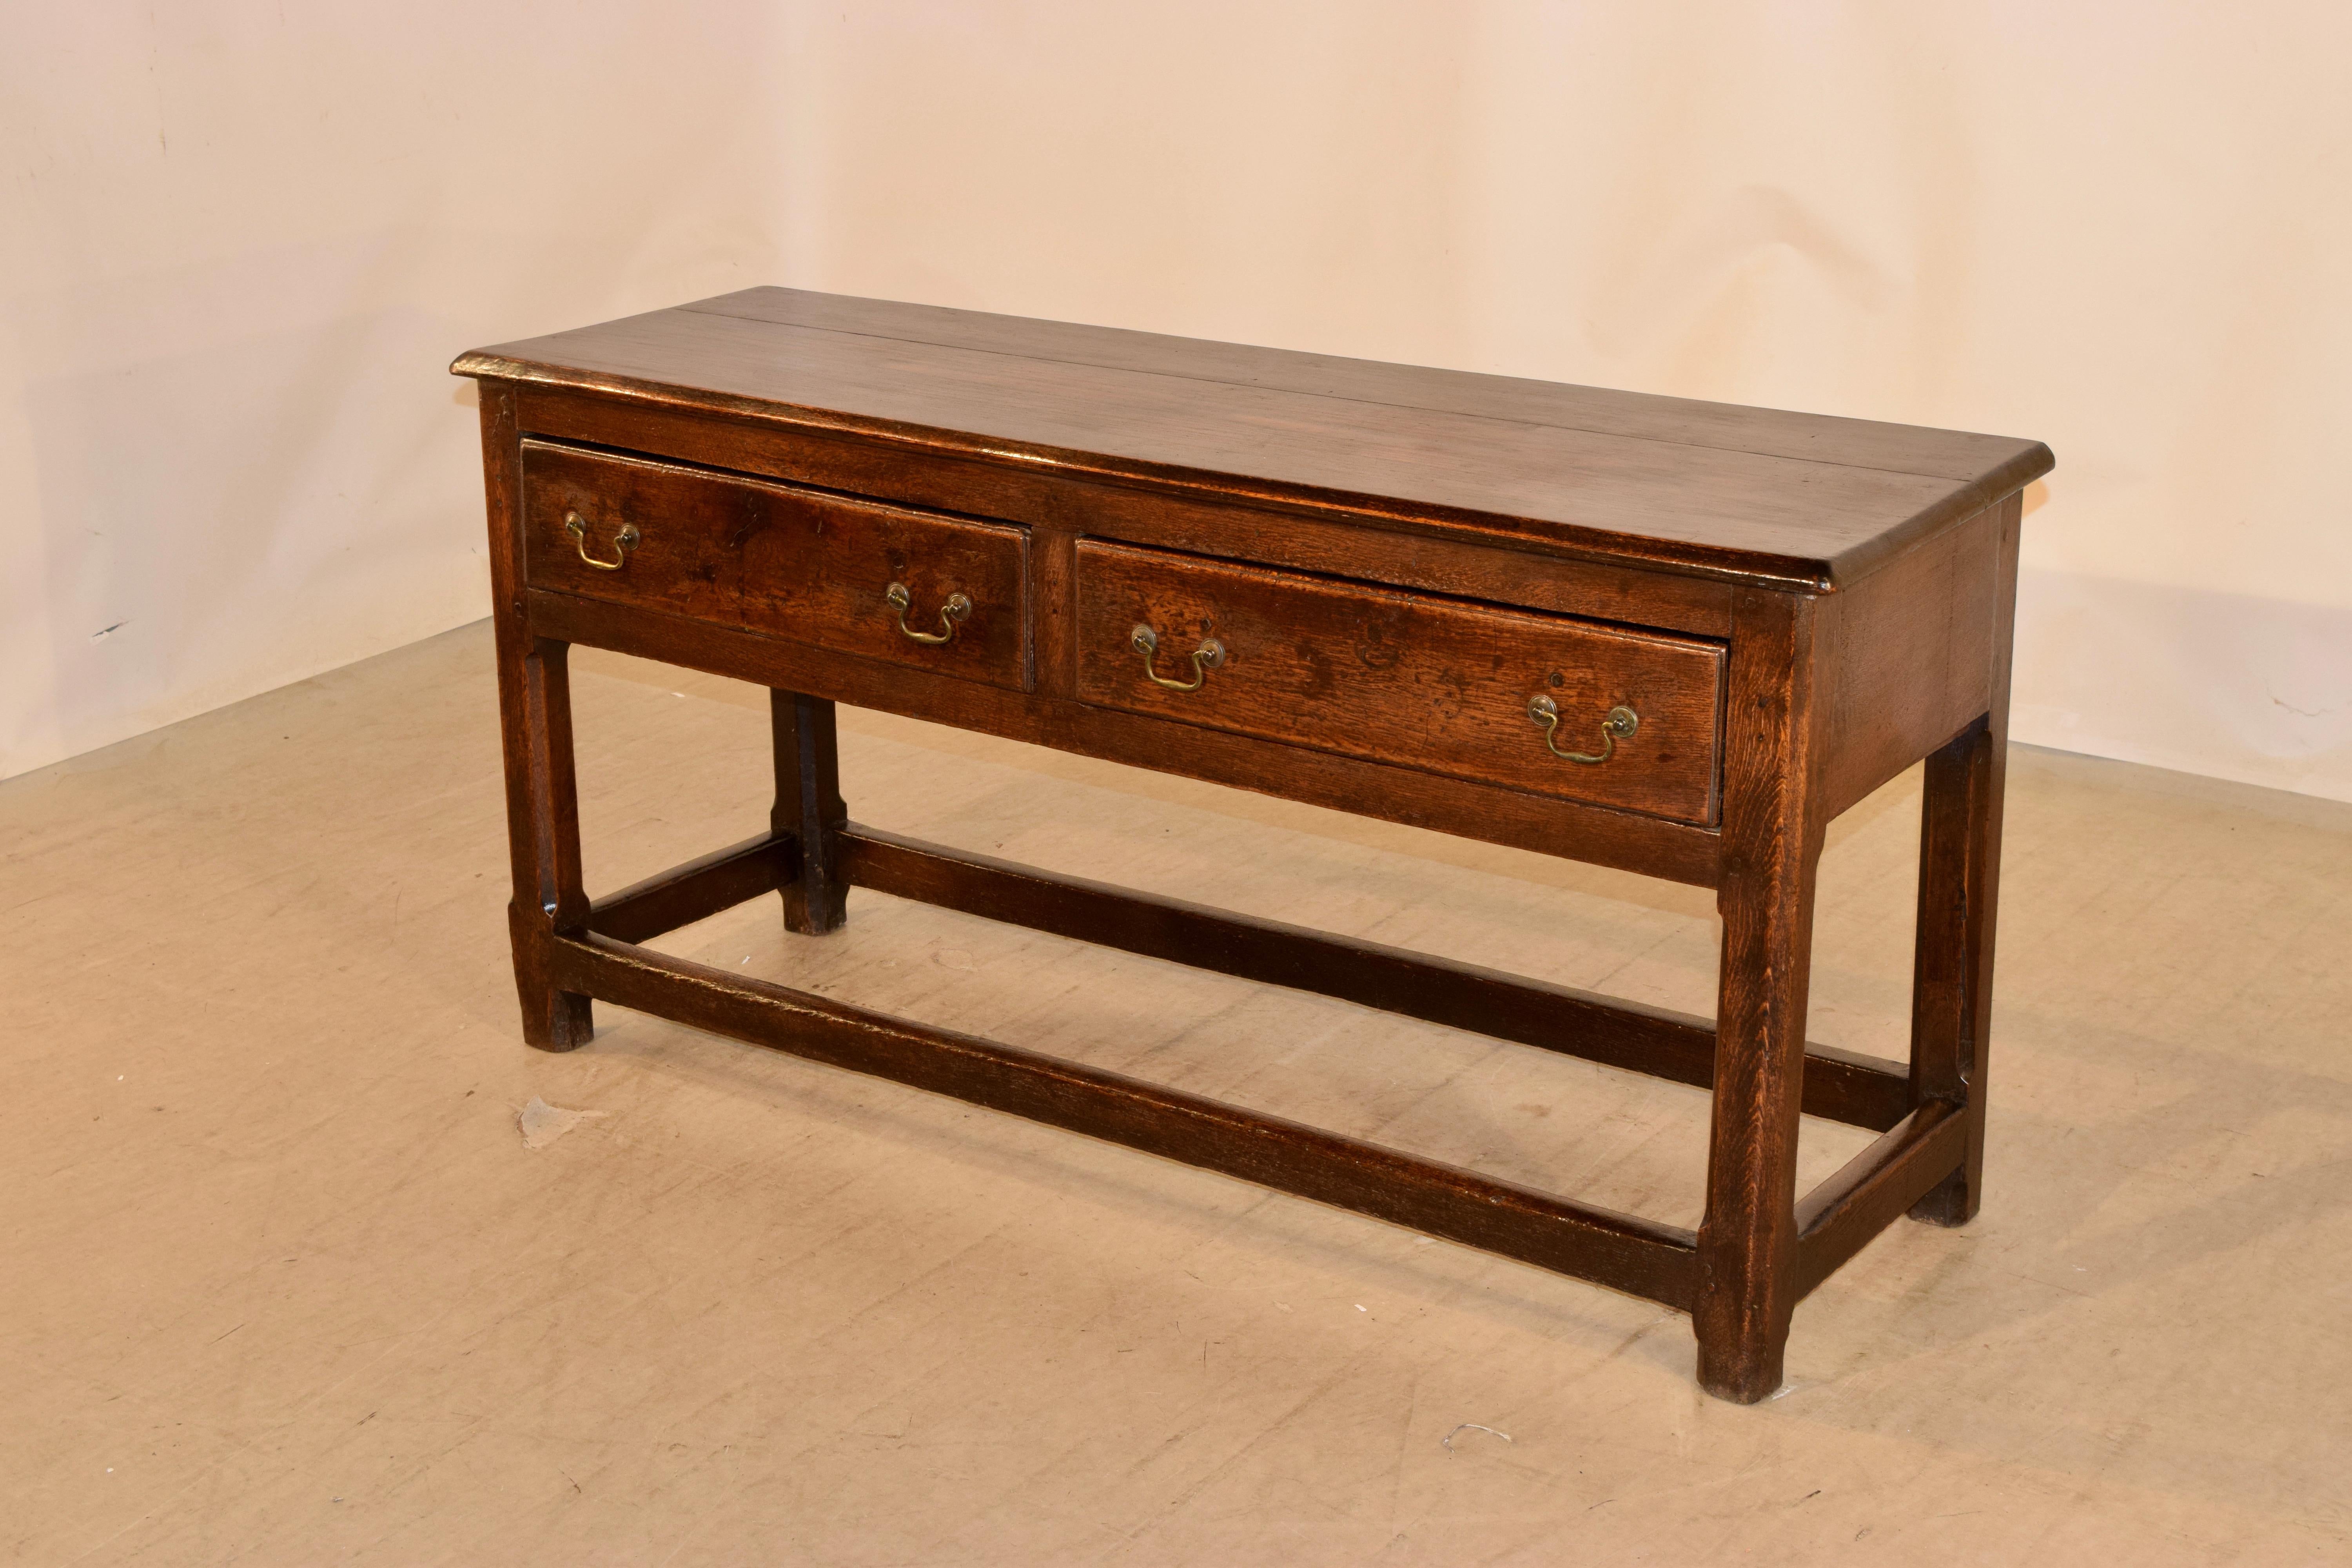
column 1620, row 723
column 622, row 542
column 951, row 614
column 1206, row 658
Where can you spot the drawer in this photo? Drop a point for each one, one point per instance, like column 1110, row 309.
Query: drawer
column 809, row 565
column 1437, row 684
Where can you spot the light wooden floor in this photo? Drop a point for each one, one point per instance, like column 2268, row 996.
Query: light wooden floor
column 285, row 1285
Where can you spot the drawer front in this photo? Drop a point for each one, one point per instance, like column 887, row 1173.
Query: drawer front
column 1430, row 683
column 808, row 565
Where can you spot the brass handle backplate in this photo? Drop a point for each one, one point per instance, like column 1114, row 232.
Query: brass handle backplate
column 1620, row 723
column 951, row 614
column 622, row 542
column 1206, row 658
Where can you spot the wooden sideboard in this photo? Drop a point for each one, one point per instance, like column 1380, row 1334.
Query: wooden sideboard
column 1669, row 636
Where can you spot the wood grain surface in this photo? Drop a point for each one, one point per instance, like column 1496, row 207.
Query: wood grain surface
column 1654, row 845
column 1771, row 848
column 797, row 563
column 1403, row 678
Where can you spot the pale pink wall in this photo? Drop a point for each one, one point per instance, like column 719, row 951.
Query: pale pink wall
column 239, row 244
column 2122, row 229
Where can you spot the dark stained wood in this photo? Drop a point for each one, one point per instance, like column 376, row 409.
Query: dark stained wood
column 797, row 563
column 1054, row 571
column 810, row 810
column 828, row 584
column 1413, row 459
column 1305, row 539
column 698, row 890
column 1959, row 893
column 1406, row 679
column 1874, row 1188
column 1862, row 443
column 1839, row 1084
column 535, row 714
column 1907, row 660
column 1747, row 1242
column 1395, row 559
column 1675, row 850
column 689, row 557
column 1636, row 1256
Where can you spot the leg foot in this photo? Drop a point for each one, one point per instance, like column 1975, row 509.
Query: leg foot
column 552, row 1020
column 1744, row 1374
column 1951, row 1202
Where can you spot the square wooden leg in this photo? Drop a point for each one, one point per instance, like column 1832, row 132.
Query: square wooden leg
column 1959, row 892
column 1747, row 1242
column 543, row 824
column 1747, row 1285
column 535, row 731
column 1951, row 1001
column 810, row 807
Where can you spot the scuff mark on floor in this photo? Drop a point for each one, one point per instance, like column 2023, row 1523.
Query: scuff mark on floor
column 1447, row 1441
column 542, row 1123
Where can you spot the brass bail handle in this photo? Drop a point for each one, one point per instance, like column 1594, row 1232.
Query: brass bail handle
column 622, row 542
column 951, row 614
column 1206, row 658
column 1620, row 723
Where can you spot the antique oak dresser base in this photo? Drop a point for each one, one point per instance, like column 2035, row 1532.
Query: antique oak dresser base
column 732, row 487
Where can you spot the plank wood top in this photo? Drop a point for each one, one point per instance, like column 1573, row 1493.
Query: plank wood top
column 1794, row 500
